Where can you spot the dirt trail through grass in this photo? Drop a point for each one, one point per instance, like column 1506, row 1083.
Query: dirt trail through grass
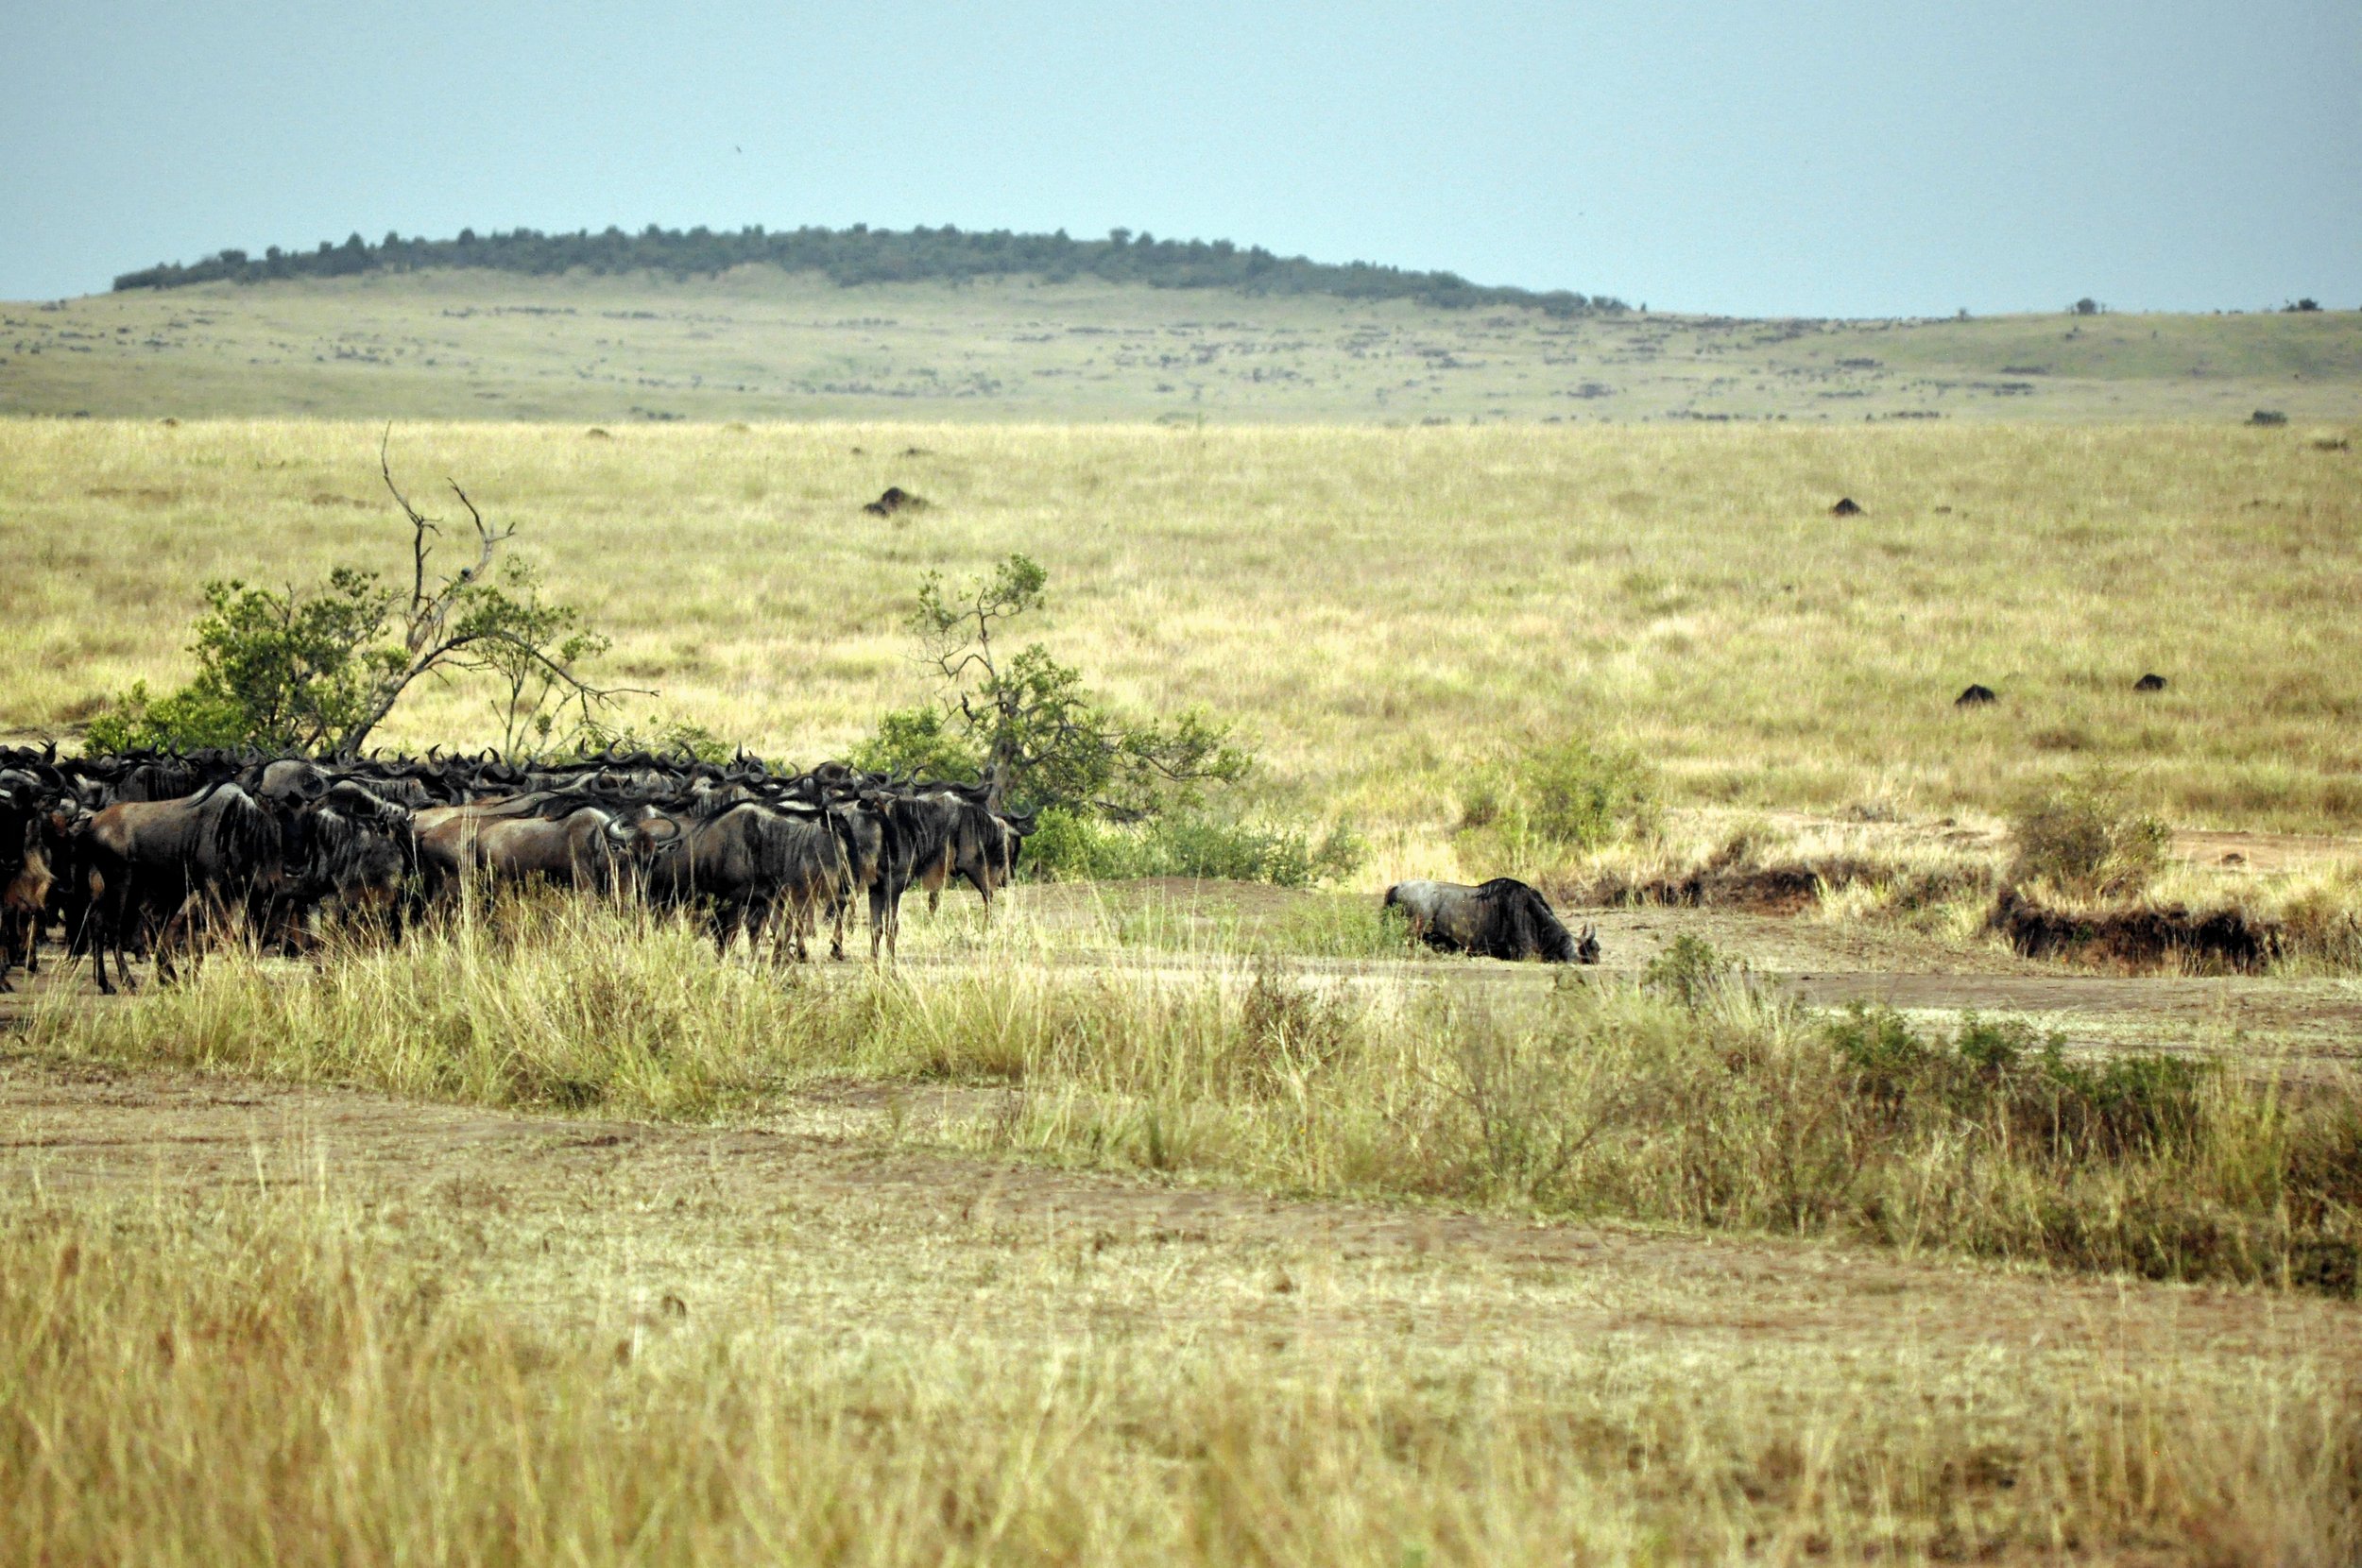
column 822, row 1219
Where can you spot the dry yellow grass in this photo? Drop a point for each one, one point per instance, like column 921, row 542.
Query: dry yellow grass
column 505, row 1343
column 1379, row 608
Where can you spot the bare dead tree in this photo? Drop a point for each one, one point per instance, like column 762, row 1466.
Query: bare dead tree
column 479, row 620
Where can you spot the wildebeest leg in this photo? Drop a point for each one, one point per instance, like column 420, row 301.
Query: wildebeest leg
column 176, row 929
column 107, row 921
column 884, row 917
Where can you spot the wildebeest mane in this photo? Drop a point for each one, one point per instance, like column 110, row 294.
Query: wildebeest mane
column 1523, row 922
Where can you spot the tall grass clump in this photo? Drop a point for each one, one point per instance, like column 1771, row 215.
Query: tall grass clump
column 267, row 1380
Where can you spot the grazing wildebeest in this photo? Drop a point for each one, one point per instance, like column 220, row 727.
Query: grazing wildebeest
column 2151, row 682
column 1976, row 696
column 1504, row 918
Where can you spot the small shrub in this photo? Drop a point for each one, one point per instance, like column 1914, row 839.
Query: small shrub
column 673, row 737
column 1690, row 973
column 1570, row 797
column 2016, row 1085
column 2085, row 839
column 1583, row 795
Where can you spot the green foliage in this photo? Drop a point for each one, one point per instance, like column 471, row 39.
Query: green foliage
column 920, row 743
column 285, row 671
column 864, row 255
column 274, row 668
column 1068, row 845
column 528, row 645
column 1573, row 797
column 1690, row 973
column 2008, row 1076
column 673, row 737
column 1026, row 726
column 1583, row 794
column 2086, row 839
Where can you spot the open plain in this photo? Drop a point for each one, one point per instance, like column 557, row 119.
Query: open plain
column 1175, row 1220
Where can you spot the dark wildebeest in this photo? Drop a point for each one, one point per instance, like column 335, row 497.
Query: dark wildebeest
column 561, row 838
column 963, row 837
column 745, row 862
column 352, row 848
column 927, row 839
column 190, row 861
column 26, row 874
column 1504, row 918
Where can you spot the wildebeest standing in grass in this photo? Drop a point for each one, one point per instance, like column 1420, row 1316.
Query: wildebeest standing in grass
column 744, row 862
column 550, row 837
column 353, row 849
column 27, row 876
column 1503, row 918
column 211, row 856
column 933, row 836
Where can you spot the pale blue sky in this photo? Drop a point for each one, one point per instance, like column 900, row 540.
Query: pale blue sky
column 1828, row 159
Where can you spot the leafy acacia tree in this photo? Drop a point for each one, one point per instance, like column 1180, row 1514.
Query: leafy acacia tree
column 317, row 672
column 1023, row 724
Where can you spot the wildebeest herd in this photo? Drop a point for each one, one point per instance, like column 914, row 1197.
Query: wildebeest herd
column 150, row 852
column 146, row 852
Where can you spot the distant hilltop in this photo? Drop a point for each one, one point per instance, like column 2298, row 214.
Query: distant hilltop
column 864, row 255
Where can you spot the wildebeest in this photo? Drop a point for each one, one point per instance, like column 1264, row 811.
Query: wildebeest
column 1503, row 918
column 213, row 853
column 745, row 863
column 1976, row 696
column 544, row 836
column 26, row 878
column 2150, row 682
column 1846, row 507
column 352, row 848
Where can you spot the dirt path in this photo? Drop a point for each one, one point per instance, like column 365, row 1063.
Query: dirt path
column 846, row 1233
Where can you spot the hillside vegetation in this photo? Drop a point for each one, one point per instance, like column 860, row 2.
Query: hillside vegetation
column 865, row 255
column 759, row 342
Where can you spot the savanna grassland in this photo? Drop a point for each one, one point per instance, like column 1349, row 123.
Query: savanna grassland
column 1381, row 610
column 1159, row 1222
